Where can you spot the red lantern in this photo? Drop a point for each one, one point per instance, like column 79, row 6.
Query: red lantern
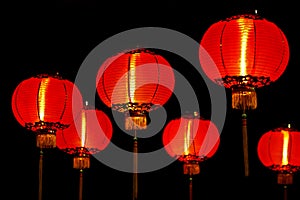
column 242, row 53
column 89, row 134
column 44, row 104
column 191, row 139
column 137, row 81
column 279, row 150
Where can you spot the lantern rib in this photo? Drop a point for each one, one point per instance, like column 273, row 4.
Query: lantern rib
column 37, row 101
column 65, row 102
column 269, row 152
column 255, row 48
column 221, row 47
column 128, row 78
column 283, row 54
column 17, row 107
column 103, row 85
column 158, row 77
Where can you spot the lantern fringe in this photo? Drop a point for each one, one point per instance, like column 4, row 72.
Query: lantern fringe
column 81, row 162
column 244, row 98
column 46, row 140
column 285, row 178
column 191, row 168
column 136, row 122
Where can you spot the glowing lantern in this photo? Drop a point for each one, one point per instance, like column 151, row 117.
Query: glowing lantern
column 45, row 104
column 242, row 53
column 90, row 133
column 135, row 83
column 279, row 150
column 191, row 140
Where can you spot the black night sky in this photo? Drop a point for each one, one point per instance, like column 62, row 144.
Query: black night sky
column 56, row 36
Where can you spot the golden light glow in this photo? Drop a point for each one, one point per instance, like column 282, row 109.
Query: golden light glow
column 83, row 127
column 42, row 98
column 132, row 76
column 285, row 160
column 187, row 138
column 244, row 42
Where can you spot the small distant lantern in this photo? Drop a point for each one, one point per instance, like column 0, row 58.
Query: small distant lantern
column 45, row 104
column 135, row 83
column 279, row 150
column 243, row 53
column 89, row 134
column 191, row 139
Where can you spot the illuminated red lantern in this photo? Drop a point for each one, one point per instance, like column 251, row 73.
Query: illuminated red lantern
column 136, row 81
column 242, row 53
column 279, row 150
column 44, row 104
column 90, row 133
column 191, row 139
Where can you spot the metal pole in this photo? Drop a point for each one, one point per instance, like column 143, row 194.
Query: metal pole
column 245, row 143
column 80, row 183
column 40, row 174
column 135, row 167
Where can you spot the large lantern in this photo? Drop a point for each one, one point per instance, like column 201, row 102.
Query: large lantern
column 279, row 150
column 135, row 82
column 44, row 104
column 89, row 134
column 242, row 53
column 191, row 139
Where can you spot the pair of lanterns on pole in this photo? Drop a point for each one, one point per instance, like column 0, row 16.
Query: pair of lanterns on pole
column 52, row 107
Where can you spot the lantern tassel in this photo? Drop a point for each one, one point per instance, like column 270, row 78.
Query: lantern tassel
column 40, row 174
column 245, row 144
column 135, row 166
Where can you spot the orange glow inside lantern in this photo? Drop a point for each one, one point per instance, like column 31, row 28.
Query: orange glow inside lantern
column 191, row 140
column 44, row 104
column 135, row 82
column 89, row 134
column 279, row 150
column 242, row 53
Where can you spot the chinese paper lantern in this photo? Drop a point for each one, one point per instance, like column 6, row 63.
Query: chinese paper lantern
column 279, row 150
column 89, row 134
column 135, row 82
column 44, row 104
column 191, row 139
column 243, row 53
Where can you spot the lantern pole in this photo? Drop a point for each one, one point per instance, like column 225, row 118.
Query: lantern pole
column 135, row 166
column 80, row 183
column 41, row 174
column 245, row 143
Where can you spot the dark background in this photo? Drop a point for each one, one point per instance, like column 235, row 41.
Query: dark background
column 56, row 36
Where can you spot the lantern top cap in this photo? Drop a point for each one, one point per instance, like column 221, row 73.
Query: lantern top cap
column 139, row 50
column 45, row 75
column 247, row 16
column 287, row 128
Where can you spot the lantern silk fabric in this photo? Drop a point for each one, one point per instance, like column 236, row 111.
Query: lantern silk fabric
column 46, row 98
column 138, row 76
